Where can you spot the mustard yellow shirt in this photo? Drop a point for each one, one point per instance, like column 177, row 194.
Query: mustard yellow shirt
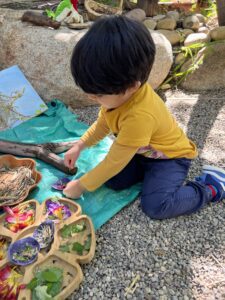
column 142, row 125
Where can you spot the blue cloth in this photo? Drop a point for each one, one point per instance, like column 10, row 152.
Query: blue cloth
column 58, row 124
column 164, row 194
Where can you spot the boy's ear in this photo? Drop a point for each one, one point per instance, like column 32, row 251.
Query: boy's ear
column 134, row 87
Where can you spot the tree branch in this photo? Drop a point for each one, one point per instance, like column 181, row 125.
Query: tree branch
column 45, row 152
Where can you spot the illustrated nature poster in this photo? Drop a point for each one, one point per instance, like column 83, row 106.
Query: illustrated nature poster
column 19, row 101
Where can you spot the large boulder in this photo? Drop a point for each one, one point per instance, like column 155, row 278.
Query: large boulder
column 44, row 55
column 163, row 59
column 150, row 23
column 191, row 22
column 137, row 14
column 168, row 23
column 218, row 33
column 210, row 74
column 173, row 36
column 199, row 37
column 174, row 14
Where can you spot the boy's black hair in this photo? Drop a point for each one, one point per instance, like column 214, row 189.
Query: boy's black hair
column 114, row 54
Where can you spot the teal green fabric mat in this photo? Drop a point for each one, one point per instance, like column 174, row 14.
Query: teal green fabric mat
column 58, row 124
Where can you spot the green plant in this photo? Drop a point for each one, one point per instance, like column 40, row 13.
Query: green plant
column 50, row 13
column 208, row 11
column 176, row 76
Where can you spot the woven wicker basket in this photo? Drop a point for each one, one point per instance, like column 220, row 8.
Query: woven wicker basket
column 96, row 10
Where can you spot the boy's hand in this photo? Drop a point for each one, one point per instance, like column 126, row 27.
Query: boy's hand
column 74, row 189
column 72, row 155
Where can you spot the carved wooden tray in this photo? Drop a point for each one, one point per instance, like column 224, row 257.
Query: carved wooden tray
column 11, row 162
column 52, row 256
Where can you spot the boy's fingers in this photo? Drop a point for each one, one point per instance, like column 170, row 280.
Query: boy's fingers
column 71, row 163
column 66, row 162
column 65, row 193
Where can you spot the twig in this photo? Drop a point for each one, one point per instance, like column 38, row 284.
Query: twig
column 218, row 282
column 132, row 287
column 217, row 261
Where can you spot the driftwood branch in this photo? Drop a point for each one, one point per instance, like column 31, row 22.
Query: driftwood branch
column 45, row 152
column 39, row 19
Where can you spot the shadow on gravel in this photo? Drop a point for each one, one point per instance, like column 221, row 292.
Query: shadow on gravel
column 197, row 242
column 203, row 116
column 177, row 259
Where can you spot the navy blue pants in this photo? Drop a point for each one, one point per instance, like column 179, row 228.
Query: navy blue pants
column 164, row 194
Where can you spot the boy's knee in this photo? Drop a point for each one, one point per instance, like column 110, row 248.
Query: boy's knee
column 154, row 206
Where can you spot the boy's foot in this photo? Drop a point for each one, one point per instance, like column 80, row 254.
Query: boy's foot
column 214, row 177
column 200, row 178
column 218, row 172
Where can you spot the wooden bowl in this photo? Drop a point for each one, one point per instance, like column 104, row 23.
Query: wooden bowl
column 12, row 162
column 79, row 237
column 72, row 205
column 72, row 275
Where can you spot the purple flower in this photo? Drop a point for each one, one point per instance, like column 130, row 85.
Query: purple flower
column 60, row 184
column 56, row 210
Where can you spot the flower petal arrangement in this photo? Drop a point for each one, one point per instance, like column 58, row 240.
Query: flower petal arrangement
column 56, row 210
column 42, row 247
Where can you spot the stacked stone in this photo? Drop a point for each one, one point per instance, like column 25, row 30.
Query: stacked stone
column 186, row 30
column 179, row 28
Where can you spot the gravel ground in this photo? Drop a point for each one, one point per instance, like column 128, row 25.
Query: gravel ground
column 182, row 258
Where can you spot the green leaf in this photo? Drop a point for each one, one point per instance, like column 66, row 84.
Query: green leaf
column 39, row 277
column 32, row 284
column 51, row 15
column 78, row 228
column 41, row 293
column 87, row 243
column 66, row 231
column 52, row 274
column 46, row 284
column 64, row 248
column 33, row 295
column 54, row 288
column 78, row 248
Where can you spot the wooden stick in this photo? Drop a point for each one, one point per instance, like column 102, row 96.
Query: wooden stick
column 45, row 152
column 39, row 19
